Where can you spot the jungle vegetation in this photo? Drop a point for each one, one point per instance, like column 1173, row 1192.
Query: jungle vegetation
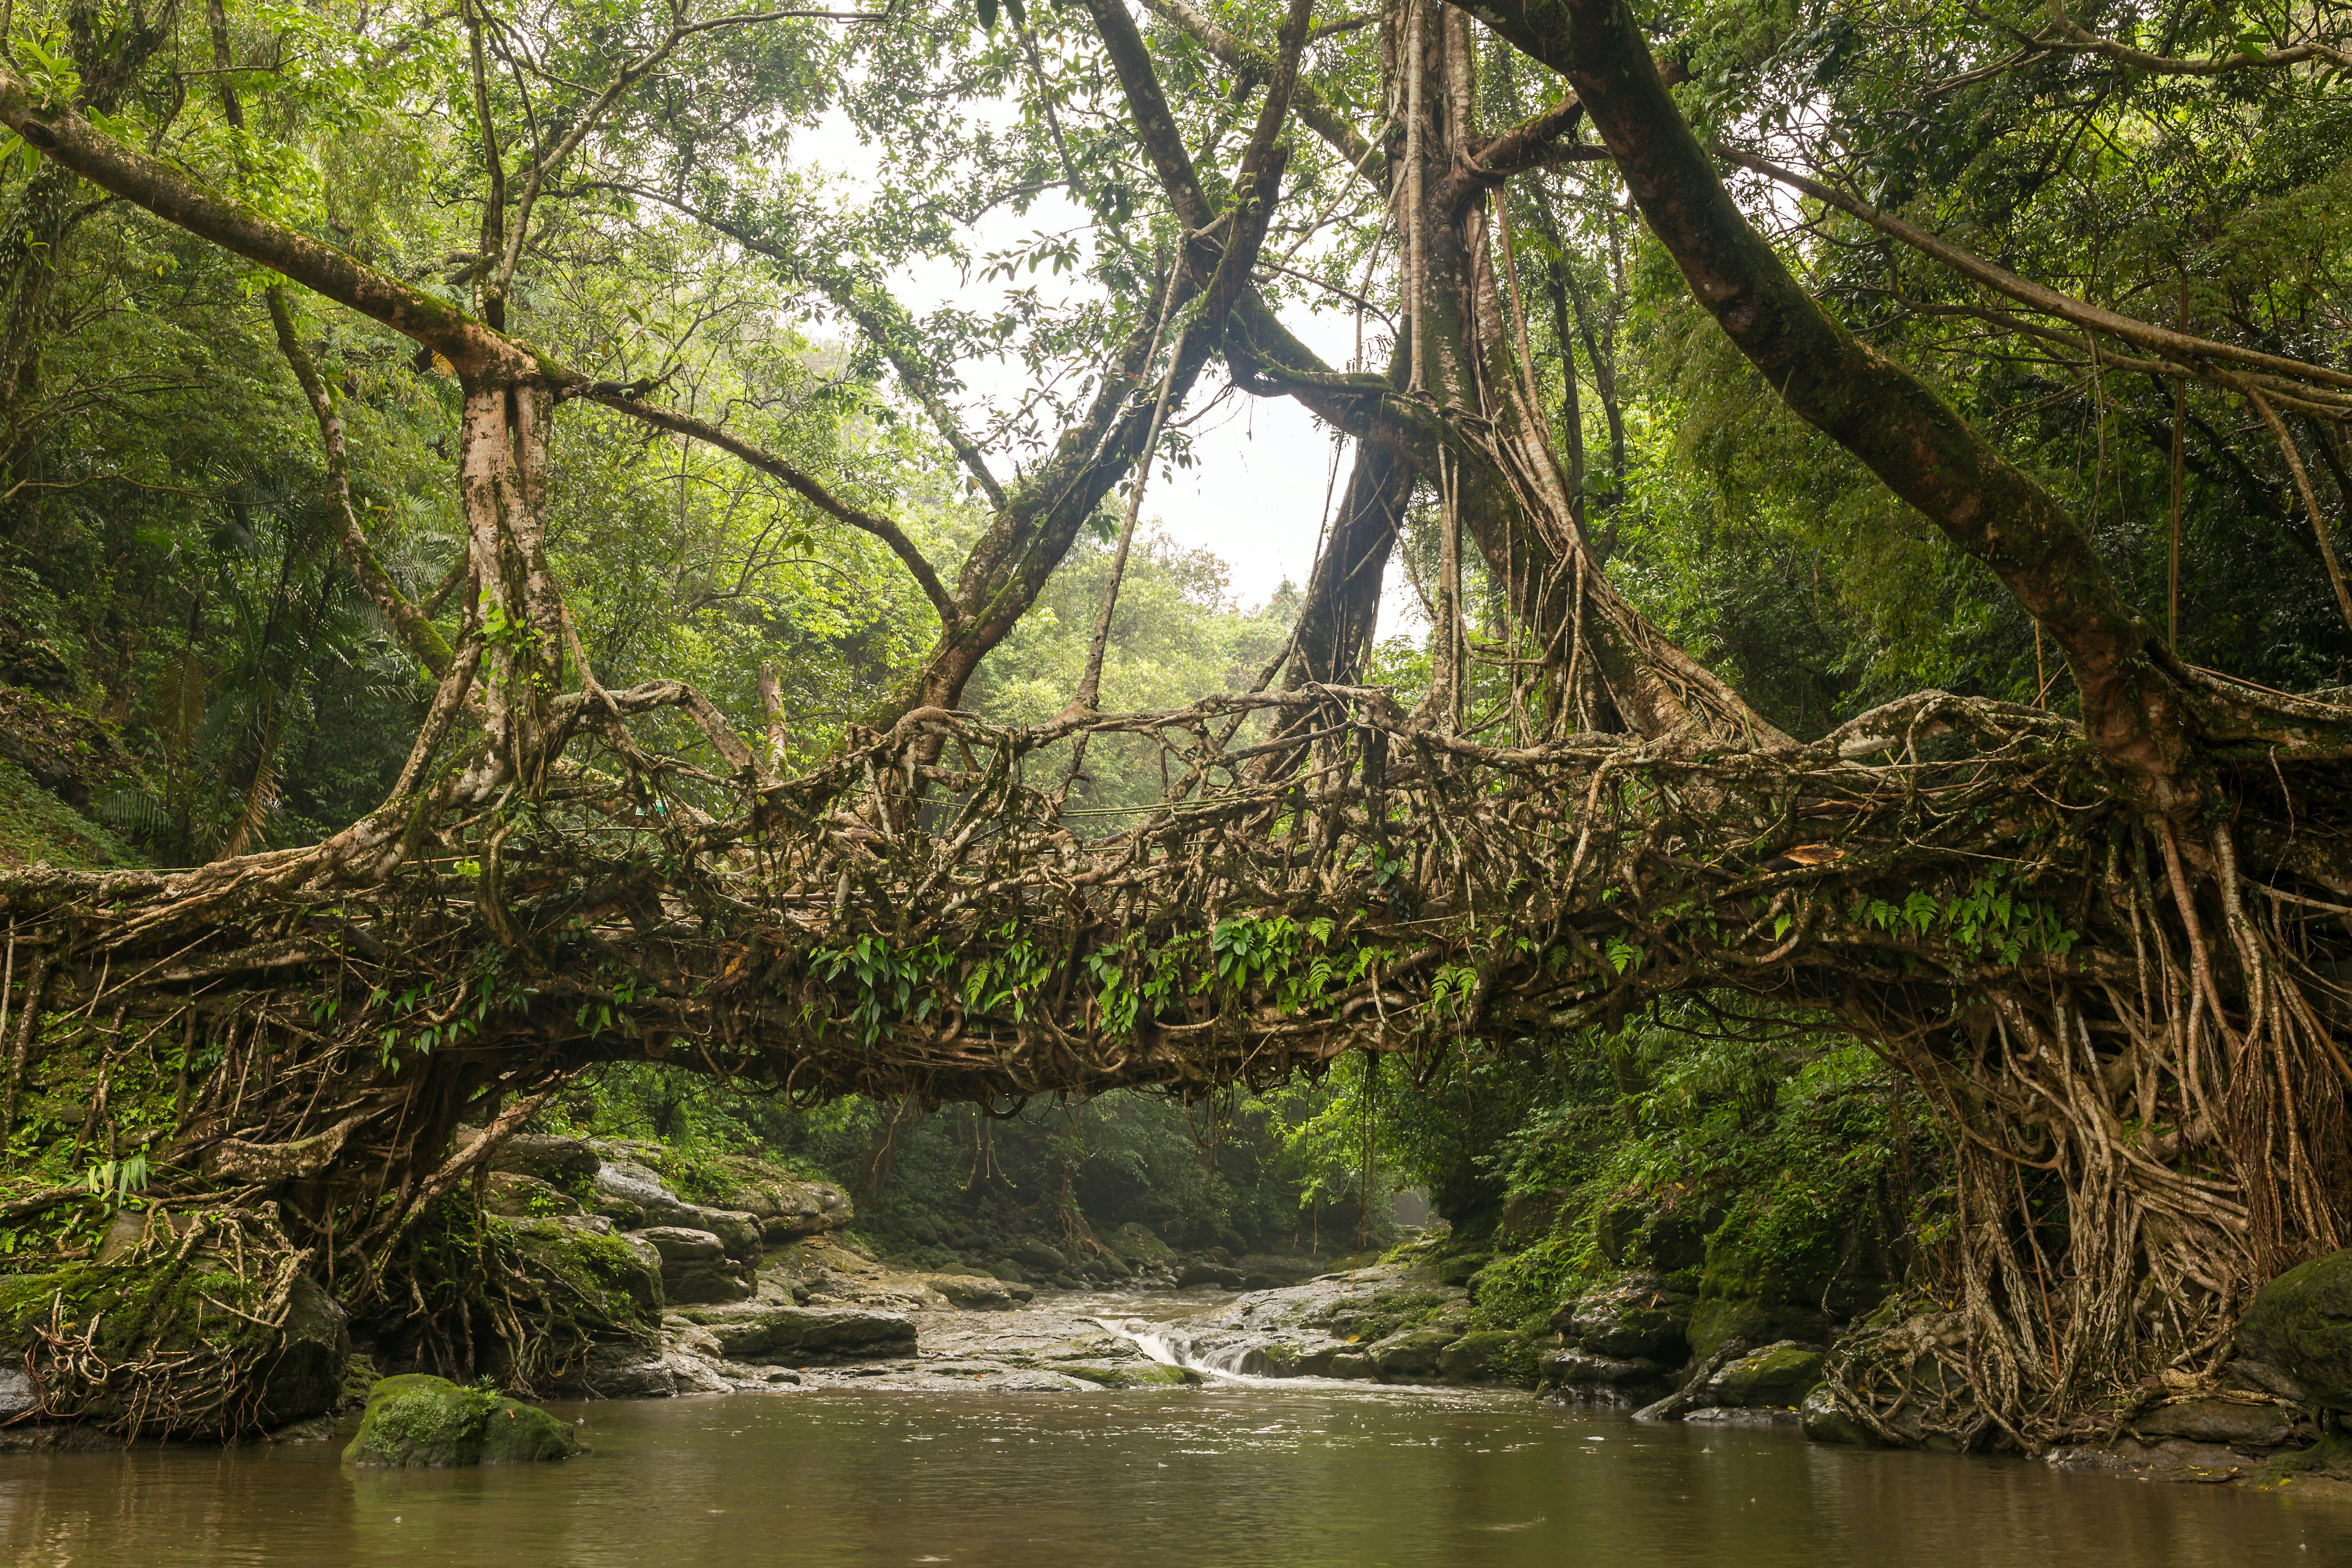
column 518, row 582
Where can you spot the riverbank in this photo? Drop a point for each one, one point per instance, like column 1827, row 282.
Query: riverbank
column 649, row 1281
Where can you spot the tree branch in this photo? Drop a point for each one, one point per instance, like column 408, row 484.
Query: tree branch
column 2081, row 40
column 2133, row 706
column 620, row 398
column 1314, row 111
column 2163, row 341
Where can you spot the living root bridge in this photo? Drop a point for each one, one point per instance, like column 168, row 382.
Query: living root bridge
column 2140, row 1083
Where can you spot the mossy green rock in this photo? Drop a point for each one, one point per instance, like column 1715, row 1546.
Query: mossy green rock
column 2301, row 1324
column 1414, row 1354
column 198, row 1309
column 610, row 1283
column 1776, row 1377
column 416, row 1421
column 1745, row 1295
column 1131, row 1375
column 1487, row 1356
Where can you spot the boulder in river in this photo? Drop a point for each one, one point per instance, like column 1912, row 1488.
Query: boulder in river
column 978, row 1292
column 1202, row 1272
column 1031, row 1253
column 2301, row 1325
column 1131, row 1375
column 616, row 1369
column 1581, row 1373
column 1777, row 1377
column 2244, row 1421
column 1488, row 1355
column 418, row 1420
column 778, row 1331
column 1414, row 1353
column 1827, row 1420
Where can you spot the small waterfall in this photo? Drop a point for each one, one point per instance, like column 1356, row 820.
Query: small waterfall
column 1243, row 1361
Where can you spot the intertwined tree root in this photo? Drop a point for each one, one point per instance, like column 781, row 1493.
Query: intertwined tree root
column 2129, row 1038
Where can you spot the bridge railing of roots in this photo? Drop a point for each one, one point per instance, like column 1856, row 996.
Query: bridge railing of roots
column 1244, row 890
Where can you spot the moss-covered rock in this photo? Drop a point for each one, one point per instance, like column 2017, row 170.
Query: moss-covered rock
column 513, row 1195
column 1131, row 1375
column 1777, row 1377
column 1748, row 1293
column 417, row 1420
column 1488, row 1355
column 238, row 1374
column 2301, row 1325
column 1416, row 1353
column 1827, row 1420
column 611, row 1284
column 1639, row 1318
column 1137, row 1245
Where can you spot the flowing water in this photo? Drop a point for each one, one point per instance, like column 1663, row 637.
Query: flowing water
column 1241, row 1471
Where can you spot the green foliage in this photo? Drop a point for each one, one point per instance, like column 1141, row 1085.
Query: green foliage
column 1986, row 918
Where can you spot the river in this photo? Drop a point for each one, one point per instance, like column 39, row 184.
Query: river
column 1233, row 1473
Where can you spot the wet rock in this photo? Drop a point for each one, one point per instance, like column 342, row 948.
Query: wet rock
column 306, row 1378
column 1580, row 1372
column 1137, row 1245
column 419, row 1420
column 765, row 1330
column 788, row 1209
column 978, row 1292
column 635, row 1199
column 2250, row 1376
column 1043, row 1257
column 514, row 1196
column 1827, row 1420
column 1352, row 1364
column 1414, row 1353
column 1778, row 1377
column 1486, row 1356
column 1143, row 1374
column 695, row 1268
column 618, row 1370
column 18, row 1397
column 1693, row 1394
column 2243, row 1422
column 1639, row 1318
column 1280, row 1272
column 1218, row 1275
column 2171, row 1459
column 2301, row 1325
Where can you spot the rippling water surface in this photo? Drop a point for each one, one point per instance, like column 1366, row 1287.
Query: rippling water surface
column 1218, row 1476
